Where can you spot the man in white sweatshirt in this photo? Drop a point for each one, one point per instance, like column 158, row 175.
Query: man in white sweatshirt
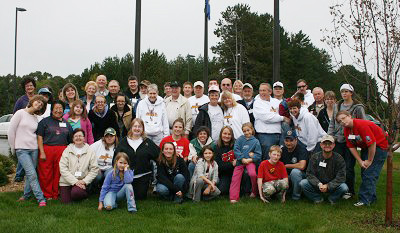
column 154, row 115
column 308, row 129
column 302, row 87
column 267, row 121
column 198, row 99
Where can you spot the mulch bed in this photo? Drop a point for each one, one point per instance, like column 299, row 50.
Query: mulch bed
column 12, row 186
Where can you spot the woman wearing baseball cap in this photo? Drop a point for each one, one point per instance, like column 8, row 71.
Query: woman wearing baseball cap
column 356, row 109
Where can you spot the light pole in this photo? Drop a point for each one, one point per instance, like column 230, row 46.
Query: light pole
column 188, row 61
column 15, row 50
column 138, row 19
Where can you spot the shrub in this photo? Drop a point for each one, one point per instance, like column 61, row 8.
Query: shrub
column 3, row 176
column 7, row 164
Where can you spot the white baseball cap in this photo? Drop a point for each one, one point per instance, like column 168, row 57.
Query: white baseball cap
column 248, row 85
column 277, row 84
column 347, row 86
column 198, row 83
column 213, row 88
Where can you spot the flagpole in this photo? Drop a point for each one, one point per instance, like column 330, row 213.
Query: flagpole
column 205, row 67
column 136, row 67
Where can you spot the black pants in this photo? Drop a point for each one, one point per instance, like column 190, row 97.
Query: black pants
column 141, row 186
column 342, row 149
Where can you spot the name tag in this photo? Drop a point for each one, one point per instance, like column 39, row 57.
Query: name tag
column 322, row 164
column 63, row 125
column 352, row 137
column 78, row 174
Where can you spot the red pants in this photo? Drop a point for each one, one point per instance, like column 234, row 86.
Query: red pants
column 49, row 171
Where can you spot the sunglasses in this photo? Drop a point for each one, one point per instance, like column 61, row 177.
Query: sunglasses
column 298, row 87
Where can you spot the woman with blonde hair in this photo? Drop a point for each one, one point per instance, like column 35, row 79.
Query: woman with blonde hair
column 235, row 115
column 238, row 87
column 88, row 99
column 141, row 150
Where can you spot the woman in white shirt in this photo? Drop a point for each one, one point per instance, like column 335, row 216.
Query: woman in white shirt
column 104, row 150
column 235, row 115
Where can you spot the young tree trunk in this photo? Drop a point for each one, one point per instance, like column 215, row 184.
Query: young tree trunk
column 389, row 188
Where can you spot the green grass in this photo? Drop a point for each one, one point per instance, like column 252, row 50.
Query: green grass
column 249, row 215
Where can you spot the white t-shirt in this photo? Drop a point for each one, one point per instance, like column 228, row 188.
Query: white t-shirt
column 195, row 103
column 104, row 157
column 135, row 143
column 235, row 117
column 217, row 120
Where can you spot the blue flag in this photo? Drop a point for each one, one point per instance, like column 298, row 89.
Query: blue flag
column 208, row 9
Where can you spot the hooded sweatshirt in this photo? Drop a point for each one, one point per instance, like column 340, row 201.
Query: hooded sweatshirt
column 243, row 146
column 154, row 116
column 335, row 129
column 308, row 129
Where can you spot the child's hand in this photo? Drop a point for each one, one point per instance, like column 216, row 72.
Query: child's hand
column 234, row 163
column 179, row 194
column 263, row 199
column 126, row 167
column 100, row 206
column 244, row 161
column 251, row 154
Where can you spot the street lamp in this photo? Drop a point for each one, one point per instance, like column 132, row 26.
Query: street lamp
column 188, row 61
column 15, row 50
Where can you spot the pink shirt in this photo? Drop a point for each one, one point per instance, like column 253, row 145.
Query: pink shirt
column 21, row 131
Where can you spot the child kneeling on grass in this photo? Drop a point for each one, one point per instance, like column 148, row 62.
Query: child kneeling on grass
column 247, row 151
column 272, row 176
column 205, row 178
column 117, row 185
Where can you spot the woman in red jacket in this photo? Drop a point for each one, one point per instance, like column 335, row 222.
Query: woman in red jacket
column 373, row 143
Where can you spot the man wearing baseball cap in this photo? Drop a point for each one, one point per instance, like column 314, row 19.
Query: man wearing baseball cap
column 277, row 90
column 248, row 100
column 211, row 114
column 198, row 99
column 295, row 157
column 326, row 173
column 356, row 109
column 178, row 106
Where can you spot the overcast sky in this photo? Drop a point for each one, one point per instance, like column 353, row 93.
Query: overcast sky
column 65, row 37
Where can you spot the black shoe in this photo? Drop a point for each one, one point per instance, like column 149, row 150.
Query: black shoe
column 18, row 179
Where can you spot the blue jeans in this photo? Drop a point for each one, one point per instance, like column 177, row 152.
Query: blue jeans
column 296, row 175
column 99, row 179
column 191, row 168
column 313, row 193
column 370, row 176
column 163, row 191
column 285, row 127
column 29, row 160
column 267, row 140
column 20, row 172
column 126, row 192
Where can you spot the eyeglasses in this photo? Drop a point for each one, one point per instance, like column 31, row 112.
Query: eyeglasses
column 226, row 85
column 298, row 87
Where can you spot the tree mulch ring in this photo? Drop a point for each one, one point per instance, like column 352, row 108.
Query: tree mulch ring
column 376, row 221
column 12, row 186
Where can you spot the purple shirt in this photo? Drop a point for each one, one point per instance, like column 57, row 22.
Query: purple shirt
column 21, row 103
column 54, row 132
column 114, row 184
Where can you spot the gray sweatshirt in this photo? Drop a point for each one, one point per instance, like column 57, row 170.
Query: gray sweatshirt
column 335, row 129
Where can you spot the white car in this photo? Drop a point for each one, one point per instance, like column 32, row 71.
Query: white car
column 4, row 123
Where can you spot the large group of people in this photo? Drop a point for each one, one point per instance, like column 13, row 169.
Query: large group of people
column 124, row 144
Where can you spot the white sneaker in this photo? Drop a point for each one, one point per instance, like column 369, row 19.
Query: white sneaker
column 359, row 204
column 347, row 196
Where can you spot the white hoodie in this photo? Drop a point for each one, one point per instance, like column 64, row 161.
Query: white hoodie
column 154, row 116
column 266, row 115
column 308, row 129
